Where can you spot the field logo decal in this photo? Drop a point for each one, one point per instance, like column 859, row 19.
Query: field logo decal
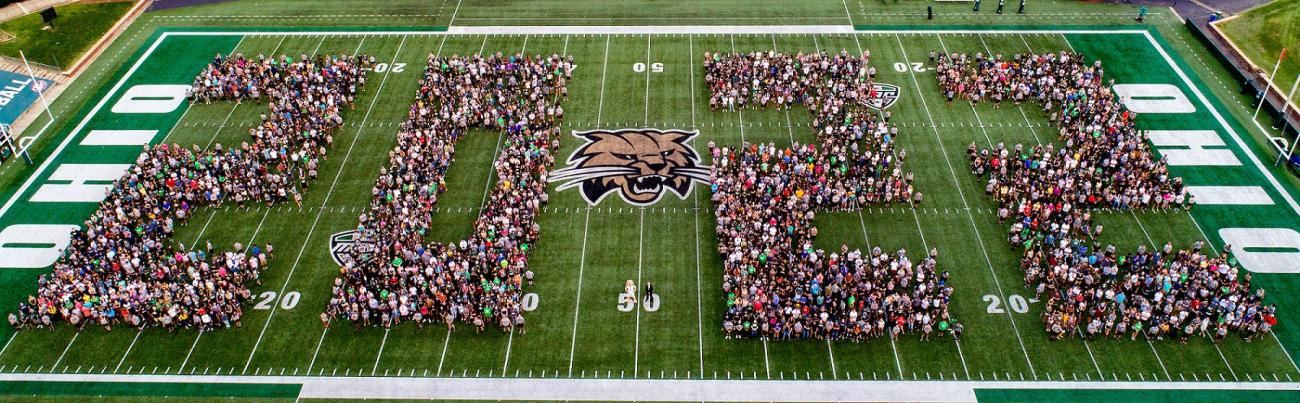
column 883, row 96
column 347, row 246
column 640, row 164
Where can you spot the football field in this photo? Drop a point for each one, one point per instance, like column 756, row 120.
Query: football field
column 651, row 77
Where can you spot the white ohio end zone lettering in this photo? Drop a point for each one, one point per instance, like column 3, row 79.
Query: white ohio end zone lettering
column 33, row 246
column 1196, row 153
column 1283, row 256
column 1260, row 250
column 151, row 98
column 80, row 191
column 1153, row 98
column 1230, row 195
column 118, row 137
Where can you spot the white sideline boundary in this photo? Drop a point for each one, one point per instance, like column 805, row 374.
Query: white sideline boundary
column 644, row 389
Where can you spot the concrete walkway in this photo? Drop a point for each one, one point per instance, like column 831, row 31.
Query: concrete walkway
column 642, row 389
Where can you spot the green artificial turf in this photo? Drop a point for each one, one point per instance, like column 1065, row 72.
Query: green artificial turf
column 585, row 254
column 77, row 27
column 1261, row 33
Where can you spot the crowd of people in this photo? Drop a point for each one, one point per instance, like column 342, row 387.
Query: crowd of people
column 124, row 267
column 777, row 284
column 477, row 280
column 1047, row 195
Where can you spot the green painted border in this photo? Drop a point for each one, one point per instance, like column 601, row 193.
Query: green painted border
column 428, row 28
column 1017, row 27
column 148, row 389
column 1119, row 395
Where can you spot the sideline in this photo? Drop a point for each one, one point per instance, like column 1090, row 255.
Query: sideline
column 643, row 389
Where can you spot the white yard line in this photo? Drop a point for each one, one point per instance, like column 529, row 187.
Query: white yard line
column 1067, row 42
column 225, row 121
column 965, row 368
column 646, row 123
column 586, row 223
column 204, row 229
column 640, row 263
column 1087, row 346
column 65, row 350
column 315, row 353
column 1225, row 362
column 767, row 363
column 699, row 296
column 453, row 14
column 12, row 336
column 1028, row 124
column 217, row 133
column 445, row 342
column 509, row 344
column 523, row 50
column 190, row 104
column 741, row 110
column 1153, row 347
column 317, row 49
column 892, row 344
column 379, row 355
column 789, row 125
column 640, row 254
column 970, row 216
column 898, row 363
column 1097, row 366
column 128, row 351
column 972, row 106
column 831, row 351
column 328, row 194
column 1157, row 354
column 846, row 11
column 191, row 353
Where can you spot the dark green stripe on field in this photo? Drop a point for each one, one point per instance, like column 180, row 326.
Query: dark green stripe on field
column 148, row 389
column 1134, row 396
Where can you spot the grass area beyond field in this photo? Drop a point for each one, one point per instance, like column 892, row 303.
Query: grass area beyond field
column 1261, row 34
column 76, row 28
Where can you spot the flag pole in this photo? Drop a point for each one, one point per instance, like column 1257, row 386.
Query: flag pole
column 1269, row 83
column 1285, row 106
column 40, row 93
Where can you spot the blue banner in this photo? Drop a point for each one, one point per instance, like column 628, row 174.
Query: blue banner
column 17, row 93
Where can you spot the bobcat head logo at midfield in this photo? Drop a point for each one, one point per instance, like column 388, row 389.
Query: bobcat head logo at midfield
column 639, row 164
